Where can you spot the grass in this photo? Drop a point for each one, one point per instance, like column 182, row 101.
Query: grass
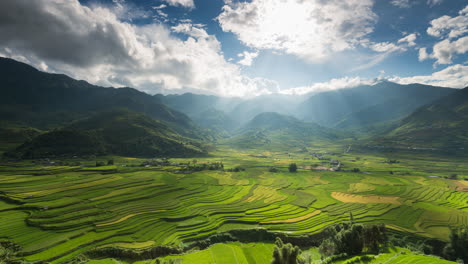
column 57, row 213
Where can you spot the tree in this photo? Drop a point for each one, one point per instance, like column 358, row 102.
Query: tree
column 285, row 253
column 353, row 239
column 458, row 245
column 110, row 162
column 292, row 167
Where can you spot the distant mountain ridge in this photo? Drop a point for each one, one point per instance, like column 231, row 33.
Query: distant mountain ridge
column 348, row 108
column 368, row 104
column 120, row 131
column 46, row 100
column 441, row 124
column 273, row 128
column 43, row 108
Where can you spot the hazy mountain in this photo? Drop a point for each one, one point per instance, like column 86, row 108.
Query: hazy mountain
column 217, row 121
column 45, row 100
column 274, row 128
column 367, row 105
column 443, row 123
column 118, row 132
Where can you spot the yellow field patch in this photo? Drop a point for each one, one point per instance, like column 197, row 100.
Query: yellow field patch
column 295, row 219
column 132, row 245
column 360, row 187
column 315, row 180
column 462, row 186
column 268, row 194
column 225, row 178
column 353, row 198
column 127, row 217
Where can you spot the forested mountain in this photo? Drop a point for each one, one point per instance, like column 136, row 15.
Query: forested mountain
column 443, row 123
column 42, row 109
column 274, row 128
column 45, row 100
column 350, row 108
column 120, row 132
column 367, row 105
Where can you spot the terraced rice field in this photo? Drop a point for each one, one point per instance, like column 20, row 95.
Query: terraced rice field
column 56, row 213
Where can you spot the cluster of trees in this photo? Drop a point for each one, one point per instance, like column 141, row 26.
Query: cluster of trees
column 346, row 239
column 286, row 253
column 9, row 252
column 353, row 239
column 457, row 248
column 236, row 169
column 205, row 166
column 292, row 167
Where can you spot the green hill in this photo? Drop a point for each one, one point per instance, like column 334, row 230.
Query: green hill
column 368, row 104
column 119, row 132
column 276, row 129
column 44, row 100
column 442, row 124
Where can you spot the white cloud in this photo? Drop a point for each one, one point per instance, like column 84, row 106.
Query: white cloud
column 445, row 50
column 333, row 84
column 247, row 58
column 410, row 39
column 401, row 3
column 312, row 29
column 455, row 76
column 191, row 30
column 92, row 44
column 423, row 55
column 432, row 3
column 161, row 6
column 183, row 3
column 451, row 27
column 453, row 31
column 386, row 47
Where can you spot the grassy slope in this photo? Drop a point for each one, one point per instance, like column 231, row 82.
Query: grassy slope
column 119, row 132
column 116, row 205
column 442, row 124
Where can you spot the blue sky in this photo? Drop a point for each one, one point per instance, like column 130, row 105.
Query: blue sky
column 242, row 48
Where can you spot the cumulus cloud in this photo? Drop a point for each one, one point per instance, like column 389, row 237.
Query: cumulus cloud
column 333, row 84
column 247, row 58
column 401, row 3
column 183, row 3
column 453, row 31
column 409, row 39
column 423, row 55
column 311, row 30
column 451, row 27
column 445, row 50
column 455, row 76
column 91, row 43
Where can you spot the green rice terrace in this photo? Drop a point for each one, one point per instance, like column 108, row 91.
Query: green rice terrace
column 61, row 212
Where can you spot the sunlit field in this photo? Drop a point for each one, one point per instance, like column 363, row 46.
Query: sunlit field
column 57, row 213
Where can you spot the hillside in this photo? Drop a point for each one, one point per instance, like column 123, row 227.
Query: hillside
column 442, row 124
column 44, row 100
column 117, row 132
column 276, row 129
column 217, row 121
column 367, row 105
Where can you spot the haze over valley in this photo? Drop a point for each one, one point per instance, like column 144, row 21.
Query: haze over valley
column 229, row 131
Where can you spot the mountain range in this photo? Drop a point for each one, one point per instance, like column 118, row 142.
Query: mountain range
column 39, row 112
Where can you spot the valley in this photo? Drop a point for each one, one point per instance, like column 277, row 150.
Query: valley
column 220, row 180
